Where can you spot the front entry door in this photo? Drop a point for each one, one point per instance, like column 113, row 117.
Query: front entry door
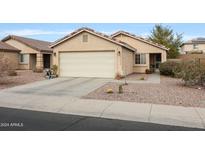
column 46, row 60
column 157, row 60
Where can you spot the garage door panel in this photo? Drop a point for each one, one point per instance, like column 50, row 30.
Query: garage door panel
column 87, row 64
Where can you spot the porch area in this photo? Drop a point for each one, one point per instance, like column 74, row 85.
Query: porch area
column 154, row 61
column 40, row 61
column 148, row 61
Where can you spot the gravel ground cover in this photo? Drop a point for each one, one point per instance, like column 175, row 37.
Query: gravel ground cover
column 170, row 92
column 23, row 77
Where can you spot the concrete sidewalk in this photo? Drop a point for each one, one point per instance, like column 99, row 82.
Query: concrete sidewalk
column 161, row 114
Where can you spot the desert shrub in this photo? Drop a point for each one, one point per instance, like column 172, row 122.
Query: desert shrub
column 12, row 73
column 192, row 73
column 55, row 69
column 148, row 71
column 168, row 68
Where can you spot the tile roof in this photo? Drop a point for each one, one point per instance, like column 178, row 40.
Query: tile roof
column 140, row 39
column 7, row 47
column 33, row 43
column 107, row 37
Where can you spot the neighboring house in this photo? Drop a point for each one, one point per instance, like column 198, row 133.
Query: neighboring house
column 149, row 54
column 196, row 45
column 86, row 53
column 10, row 53
column 34, row 55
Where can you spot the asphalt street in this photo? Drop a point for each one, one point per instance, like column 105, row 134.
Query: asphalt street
column 26, row 120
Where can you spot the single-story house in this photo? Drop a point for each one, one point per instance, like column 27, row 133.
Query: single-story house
column 34, row 55
column 11, row 54
column 87, row 53
column 149, row 54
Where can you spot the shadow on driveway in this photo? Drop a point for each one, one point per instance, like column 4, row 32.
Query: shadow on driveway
column 25, row 120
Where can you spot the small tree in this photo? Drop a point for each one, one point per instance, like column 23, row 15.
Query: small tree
column 165, row 36
column 169, row 68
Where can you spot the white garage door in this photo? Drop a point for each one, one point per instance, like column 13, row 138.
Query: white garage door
column 87, row 64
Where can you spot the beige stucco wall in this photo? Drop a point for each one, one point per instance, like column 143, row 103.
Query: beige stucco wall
column 24, row 66
column 140, row 68
column 189, row 48
column 13, row 58
column 94, row 43
column 24, row 50
column 21, row 46
column 127, row 61
column 28, row 50
column 142, row 47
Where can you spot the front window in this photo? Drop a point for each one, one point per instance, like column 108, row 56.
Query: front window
column 140, row 58
column 195, row 46
column 24, row 58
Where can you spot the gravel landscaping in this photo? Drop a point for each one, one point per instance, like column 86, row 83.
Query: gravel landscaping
column 23, row 77
column 170, row 92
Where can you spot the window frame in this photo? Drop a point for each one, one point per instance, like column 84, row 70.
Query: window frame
column 195, row 46
column 142, row 59
column 24, row 56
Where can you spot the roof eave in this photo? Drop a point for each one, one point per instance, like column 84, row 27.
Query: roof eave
column 11, row 50
column 63, row 40
column 11, row 37
column 59, row 41
column 6, row 38
column 120, row 33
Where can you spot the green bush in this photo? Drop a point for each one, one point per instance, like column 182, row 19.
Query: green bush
column 55, row 69
column 168, row 68
column 192, row 73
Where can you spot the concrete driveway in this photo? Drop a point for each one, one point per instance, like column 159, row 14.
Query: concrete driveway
column 74, row 87
column 62, row 96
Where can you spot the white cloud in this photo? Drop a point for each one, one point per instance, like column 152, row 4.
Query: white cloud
column 31, row 32
column 108, row 32
column 145, row 35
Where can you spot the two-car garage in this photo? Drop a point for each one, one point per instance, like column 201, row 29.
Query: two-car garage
column 87, row 64
column 86, row 53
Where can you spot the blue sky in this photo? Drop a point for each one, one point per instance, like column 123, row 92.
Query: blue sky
column 52, row 32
